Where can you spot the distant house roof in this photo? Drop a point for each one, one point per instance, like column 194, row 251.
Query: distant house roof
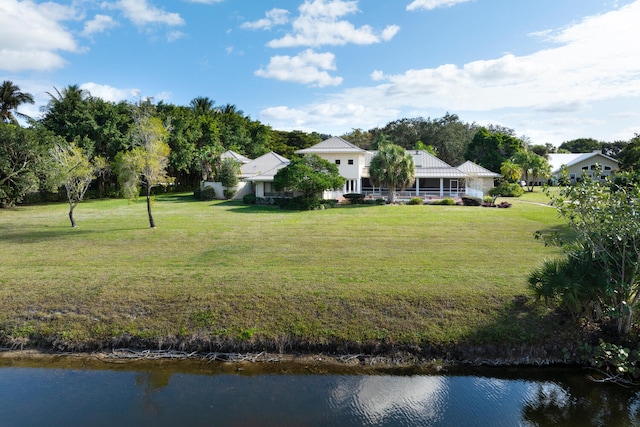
column 264, row 168
column 556, row 160
column 235, row 156
column 332, row 145
column 473, row 169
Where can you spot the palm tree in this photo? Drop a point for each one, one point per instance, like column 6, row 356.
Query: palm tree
column 392, row 167
column 201, row 105
column 10, row 99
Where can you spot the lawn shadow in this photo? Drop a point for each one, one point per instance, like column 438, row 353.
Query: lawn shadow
column 26, row 235
column 524, row 331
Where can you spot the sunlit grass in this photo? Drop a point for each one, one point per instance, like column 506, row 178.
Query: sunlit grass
column 223, row 270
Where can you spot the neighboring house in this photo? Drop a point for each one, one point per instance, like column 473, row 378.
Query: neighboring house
column 259, row 174
column 577, row 163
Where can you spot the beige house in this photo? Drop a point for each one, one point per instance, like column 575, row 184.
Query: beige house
column 579, row 163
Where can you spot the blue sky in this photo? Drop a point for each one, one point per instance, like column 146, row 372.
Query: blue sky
column 553, row 70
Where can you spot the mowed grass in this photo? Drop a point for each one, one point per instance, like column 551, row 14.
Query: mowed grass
column 226, row 272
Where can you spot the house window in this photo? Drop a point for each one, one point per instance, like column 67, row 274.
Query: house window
column 585, row 168
column 350, row 161
column 572, row 176
column 607, row 168
column 337, row 161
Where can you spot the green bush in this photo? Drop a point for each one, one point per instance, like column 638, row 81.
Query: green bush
column 380, row 201
column 249, row 199
column 197, row 193
column 506, row 189
column 488, row 199
column 228, row 194
column 471, row 201
column 208, row 193
column 415, row 201
column 446, row 202
column 299, row 203
column 354, row 198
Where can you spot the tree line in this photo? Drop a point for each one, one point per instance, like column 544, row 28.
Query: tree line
column 107, row 133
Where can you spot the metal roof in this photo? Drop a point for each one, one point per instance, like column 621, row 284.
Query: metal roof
column 264, row 168
column 235, row 156
column 556, row 160
column 332, row 145
column 471, row 168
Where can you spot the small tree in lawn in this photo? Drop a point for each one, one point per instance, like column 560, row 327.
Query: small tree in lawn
column 146, row 163
column 310, row 175
column 228, row 176
column 75, row 173
column 393, row 168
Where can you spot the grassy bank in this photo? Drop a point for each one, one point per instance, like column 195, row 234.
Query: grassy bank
column 221, row 275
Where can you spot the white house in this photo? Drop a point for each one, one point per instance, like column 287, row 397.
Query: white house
column 434, row 177
column 578, row 163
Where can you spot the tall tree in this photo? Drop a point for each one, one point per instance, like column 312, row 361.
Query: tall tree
column 11, row 97
column 491, row 149
column 629, row 157
column 24, row 162
column 392, row 167
column 145, row 164
column 76, row 172
column 581, row 145
column 202, row 105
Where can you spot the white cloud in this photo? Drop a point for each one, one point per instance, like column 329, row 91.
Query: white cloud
column 175, row 35
column 591, row 64
column 272, row 18
column 141, row 13
column 433, row 4
column 109, row 93
column 31, row 35
column 319, row 24
column 308, row 68
column 98, row 24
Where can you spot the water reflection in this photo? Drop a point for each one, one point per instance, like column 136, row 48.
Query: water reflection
column 171, row 395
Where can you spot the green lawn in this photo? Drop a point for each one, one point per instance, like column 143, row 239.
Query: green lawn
column 223, row 272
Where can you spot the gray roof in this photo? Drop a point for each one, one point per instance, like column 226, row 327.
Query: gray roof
column 427, row 165
column 334, row 144
column 471, row 168
column 235, row 156
column 264, row 168
column 556, row 160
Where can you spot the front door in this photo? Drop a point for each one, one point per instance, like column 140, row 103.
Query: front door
column 454, row 187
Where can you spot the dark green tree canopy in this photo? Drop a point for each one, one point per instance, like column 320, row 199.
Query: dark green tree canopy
column 629, row 157
column 491, row 150
column 310, row 175
column 581, row 145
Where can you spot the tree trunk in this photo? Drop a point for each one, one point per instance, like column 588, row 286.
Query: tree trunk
column 152, row 224
column 73, row 221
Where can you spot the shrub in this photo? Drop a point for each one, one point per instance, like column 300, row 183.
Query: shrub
column 354, row 198
column 208, row 193
column 229, row 193
column 415, row 201
column 380, row 201
column 299, row 203
column 249, row 199
column 504, row 205
column 197, row 193
column 506, row 189
column 488, row 199
column 446, row 202
column 471, row 201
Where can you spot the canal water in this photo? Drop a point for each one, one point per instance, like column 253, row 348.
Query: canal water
column 73, row 393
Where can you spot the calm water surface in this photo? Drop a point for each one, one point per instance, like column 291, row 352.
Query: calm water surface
column 198, row 394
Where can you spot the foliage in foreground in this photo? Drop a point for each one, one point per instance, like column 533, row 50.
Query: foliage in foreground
column 599, row 276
